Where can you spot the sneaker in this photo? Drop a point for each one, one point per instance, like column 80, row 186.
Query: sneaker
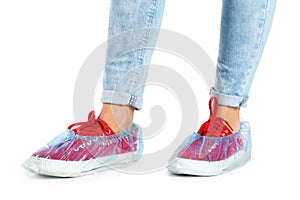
column 214, row 149
column 85, row 148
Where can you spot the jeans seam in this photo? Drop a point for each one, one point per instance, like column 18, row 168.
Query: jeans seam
column 264, row 23
column 140, row 59
column 260, row 40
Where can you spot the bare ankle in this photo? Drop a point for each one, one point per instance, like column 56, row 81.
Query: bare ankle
column 231, row 115
column 118, row 117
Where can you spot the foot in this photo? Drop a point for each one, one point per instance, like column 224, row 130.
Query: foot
column 231, row 115
column 216, row 147
column 119, row 118
column 85, row 148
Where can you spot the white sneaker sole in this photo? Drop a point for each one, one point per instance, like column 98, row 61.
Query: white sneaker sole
column 206, row 168
column 60, row 168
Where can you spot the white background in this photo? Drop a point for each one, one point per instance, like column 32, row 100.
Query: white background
column 42, row 47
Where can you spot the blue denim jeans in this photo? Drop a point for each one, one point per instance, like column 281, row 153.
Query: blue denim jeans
column 134, row 25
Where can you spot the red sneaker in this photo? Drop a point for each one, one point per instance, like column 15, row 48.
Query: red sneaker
column 214, row 149
column 86, row 147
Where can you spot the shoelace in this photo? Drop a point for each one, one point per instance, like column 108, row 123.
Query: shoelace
column 93, row 127
column 215, row 126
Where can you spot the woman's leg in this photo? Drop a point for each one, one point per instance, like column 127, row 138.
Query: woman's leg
column 245, row 26
column 84, row 148
column 133, row 28
column 220, row 146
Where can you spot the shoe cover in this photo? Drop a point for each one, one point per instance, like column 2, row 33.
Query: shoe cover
column 207, row 156
column 70, row 154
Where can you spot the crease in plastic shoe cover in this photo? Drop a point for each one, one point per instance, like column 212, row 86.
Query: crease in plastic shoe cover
column 72, row 155
column 208, row 156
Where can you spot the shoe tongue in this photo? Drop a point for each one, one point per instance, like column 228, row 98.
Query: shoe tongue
column 215, row 128
column 105, row 127
column 218, row 128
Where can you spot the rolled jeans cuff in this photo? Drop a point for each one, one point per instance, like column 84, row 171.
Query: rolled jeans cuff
column 113, row 97
column 229, row 100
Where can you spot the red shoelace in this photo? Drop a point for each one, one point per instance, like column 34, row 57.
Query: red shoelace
column 93, row 127
column 215, row 126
